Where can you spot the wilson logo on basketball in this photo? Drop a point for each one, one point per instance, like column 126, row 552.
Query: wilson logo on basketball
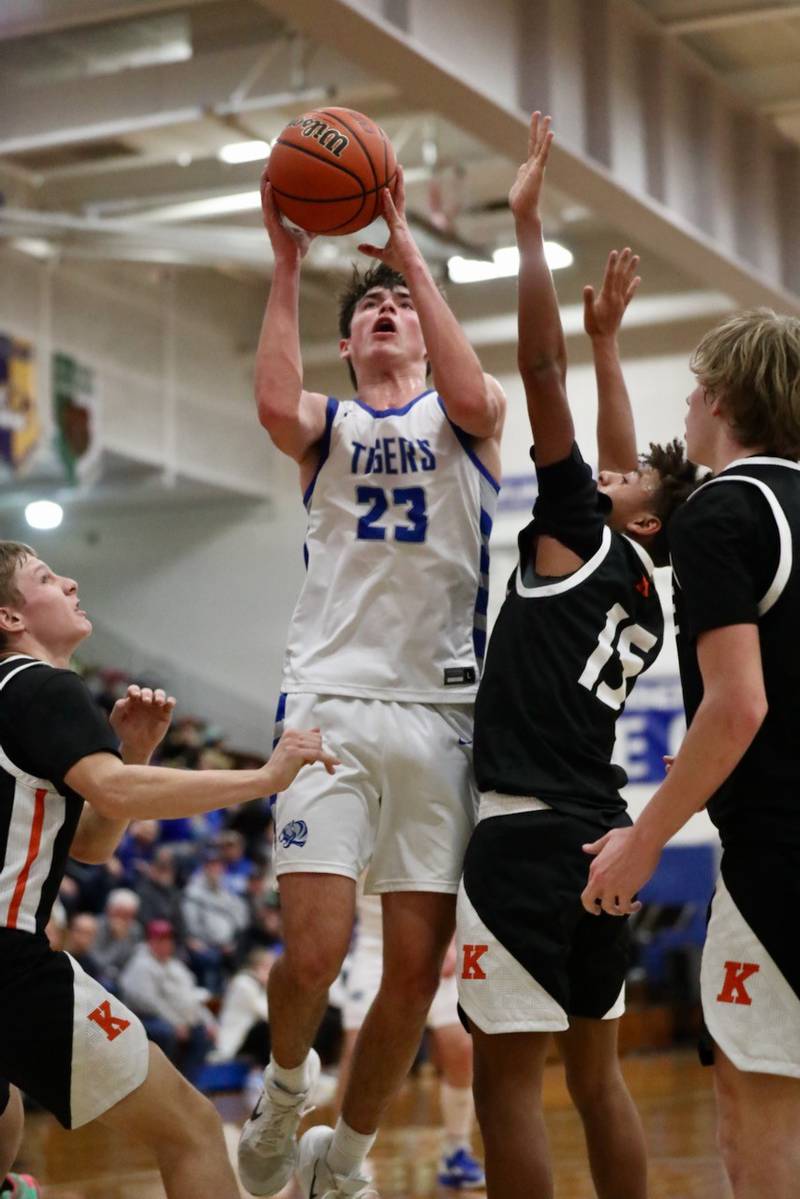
column 111, row 1025
column 733, row 988
column 472, row 957
column 329, row 138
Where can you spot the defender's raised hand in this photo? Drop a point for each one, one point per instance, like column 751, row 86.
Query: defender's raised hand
column 401, row 245
column 140, row 720
column 523, row 199
column 290, row 244
column 603, row 313
column 296, row 748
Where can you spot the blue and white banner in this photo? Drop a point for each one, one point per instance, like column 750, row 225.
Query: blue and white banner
column 652, row 725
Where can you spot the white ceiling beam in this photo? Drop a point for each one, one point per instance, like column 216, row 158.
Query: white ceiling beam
column 28, row 18
column 731, row 19
column 128, row 102
column 483, row 70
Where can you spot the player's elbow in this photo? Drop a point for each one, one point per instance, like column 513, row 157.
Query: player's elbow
column 742, row 714
column 101, row 779
column 543, row 373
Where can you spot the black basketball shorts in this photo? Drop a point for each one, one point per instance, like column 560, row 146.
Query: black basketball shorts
column 530, row 956
column 66, row 1041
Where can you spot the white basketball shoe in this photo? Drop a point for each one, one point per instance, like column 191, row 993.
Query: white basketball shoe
column 267, row 1147
column 317, row 1180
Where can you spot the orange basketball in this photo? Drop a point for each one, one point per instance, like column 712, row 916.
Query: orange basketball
column 327, row 170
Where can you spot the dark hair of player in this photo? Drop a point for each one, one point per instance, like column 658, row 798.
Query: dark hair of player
column 379, row 275
column 677, row 480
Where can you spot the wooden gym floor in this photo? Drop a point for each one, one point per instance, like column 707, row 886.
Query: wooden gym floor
column 672, row 1091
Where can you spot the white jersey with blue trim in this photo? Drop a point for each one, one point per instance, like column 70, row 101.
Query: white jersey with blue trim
column 397, row 560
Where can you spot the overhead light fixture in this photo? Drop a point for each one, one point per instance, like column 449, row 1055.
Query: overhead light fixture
column 44, row 514
column 243, row 151
column 37, row 247
column 191, row 210
column 504, row 263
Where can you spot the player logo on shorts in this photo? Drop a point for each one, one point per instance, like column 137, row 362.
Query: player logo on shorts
column 295, row 832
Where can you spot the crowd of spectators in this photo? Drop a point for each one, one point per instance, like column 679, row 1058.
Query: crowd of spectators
column 183, row 923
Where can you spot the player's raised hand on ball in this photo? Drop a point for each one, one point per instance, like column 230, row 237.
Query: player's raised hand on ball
column 296, row 748
column 603, row 313
column 523, row 199
column 140, row 720
column 401, row 245
column 288, row 244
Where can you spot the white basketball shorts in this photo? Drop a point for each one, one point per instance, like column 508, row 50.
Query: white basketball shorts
column 401, row 806
column 749, row 1008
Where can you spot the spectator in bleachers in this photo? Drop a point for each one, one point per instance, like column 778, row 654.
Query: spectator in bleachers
column 215, row 920
column 136, row 849
column 159, row 893
column 118, row 934
column 164, row 994
column 79, row 941
column 243, row 1018
column 264, row 930
column 238, row 868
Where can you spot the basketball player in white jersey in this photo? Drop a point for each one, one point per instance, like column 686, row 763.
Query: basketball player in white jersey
column 451, row 1044
column 385, row 648
column 66, row 1041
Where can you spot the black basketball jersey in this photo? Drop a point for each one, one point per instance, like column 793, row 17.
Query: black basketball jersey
column 48, row 722
column 563, row 657
column 736, row 560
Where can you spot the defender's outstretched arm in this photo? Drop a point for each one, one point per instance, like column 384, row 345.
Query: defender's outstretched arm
column 541, row 350
column 602, row 317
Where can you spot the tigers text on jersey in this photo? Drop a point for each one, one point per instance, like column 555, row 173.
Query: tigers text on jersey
column 394, row 601
column 736, row 560
column 562, row 659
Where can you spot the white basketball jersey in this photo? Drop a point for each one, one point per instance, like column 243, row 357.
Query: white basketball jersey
column 394, row 601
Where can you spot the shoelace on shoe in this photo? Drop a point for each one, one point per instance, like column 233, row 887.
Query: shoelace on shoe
column 282, row 1122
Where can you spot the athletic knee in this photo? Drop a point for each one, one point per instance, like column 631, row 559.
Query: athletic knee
column 595, row 1090
column 312, row 967
column 198, row 1127
column 412, row 987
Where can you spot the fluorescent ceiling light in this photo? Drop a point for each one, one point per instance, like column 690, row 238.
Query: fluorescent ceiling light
column 44, row 514
column 244, row 151
column 37, row 247
column 504, row 263
column 191, row 210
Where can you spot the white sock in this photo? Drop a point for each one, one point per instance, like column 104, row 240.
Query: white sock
column 290, row 1078
column 348, row 1148
column 458, row 1114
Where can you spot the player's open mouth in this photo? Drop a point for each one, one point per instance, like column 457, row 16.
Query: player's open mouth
column 384, row 324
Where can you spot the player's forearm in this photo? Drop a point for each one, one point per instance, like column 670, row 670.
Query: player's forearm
column 716, row 741
column 541, row 351
column 616, row 431
column 279, row 366
column 97, row 837
column 541, row 346
column 125, row 793
column 457, row 371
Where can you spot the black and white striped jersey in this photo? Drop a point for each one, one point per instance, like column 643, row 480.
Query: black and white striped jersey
column 48, row 722
column 736, row 560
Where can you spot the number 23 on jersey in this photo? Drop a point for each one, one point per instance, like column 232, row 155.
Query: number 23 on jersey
column 398, row 513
